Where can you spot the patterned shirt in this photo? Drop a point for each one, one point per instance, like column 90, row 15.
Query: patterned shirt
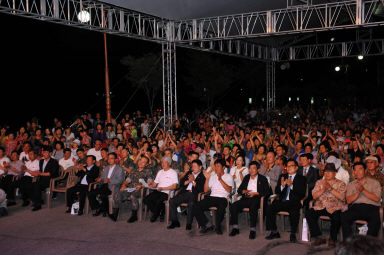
column 327, row 200
column 135, row 175
column 378, row 176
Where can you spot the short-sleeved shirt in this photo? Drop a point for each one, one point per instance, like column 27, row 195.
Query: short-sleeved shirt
column 33, row 166
column 16, row 164
column 166, row 179
column 2, row 161
column 327, row 200
column 66, row 163
column 370, row 185
column 135, row 175
column 217, row 189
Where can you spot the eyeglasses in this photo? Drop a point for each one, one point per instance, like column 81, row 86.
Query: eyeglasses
column 291, row 165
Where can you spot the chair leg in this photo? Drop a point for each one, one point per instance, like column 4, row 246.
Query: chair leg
column 86, row 206
column 381, row 223
column 140, row 210
column 214, row 218
column 167, row 213
column 301, row 225
column 50, row 192
column 261, row 221
column 227, row 219
column 282, row 220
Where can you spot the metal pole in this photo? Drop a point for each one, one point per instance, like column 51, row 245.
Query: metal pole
column 107, row 90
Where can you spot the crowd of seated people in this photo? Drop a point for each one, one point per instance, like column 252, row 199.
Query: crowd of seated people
column 320, row 163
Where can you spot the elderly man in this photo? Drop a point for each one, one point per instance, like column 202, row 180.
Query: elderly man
column 190, row 186
column 271, row 170
column 329, row 194
column 373, row 169
column 290, row 190
column 252, row 188
column 220, row 186
column 341, row 174
column 166, row 181
column 363, row 199
column 111, row 180
column 134, row 182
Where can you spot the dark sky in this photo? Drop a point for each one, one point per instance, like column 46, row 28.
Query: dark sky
column 53, row 70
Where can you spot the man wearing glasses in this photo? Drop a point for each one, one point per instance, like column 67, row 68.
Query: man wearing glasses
column 290, row 190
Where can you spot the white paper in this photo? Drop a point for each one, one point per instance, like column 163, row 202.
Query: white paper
column 304, row 236
column 130, row 189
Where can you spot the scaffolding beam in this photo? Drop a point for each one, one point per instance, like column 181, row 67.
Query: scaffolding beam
column 169, row 84
column 290, row 20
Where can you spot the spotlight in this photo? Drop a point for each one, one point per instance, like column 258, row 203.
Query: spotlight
column 332, row 39
column 360, row 57
column 337, row 68
column 84, row 16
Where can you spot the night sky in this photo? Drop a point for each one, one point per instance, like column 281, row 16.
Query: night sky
column 53, row 70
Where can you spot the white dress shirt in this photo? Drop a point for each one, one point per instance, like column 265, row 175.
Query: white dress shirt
column 111, row 168
column 217, row 189
column 252, row 184
column 190, row 185
column 33, row 166
column 84, row 180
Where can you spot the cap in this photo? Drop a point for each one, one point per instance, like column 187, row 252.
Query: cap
column 371, row 158
column 330, row 167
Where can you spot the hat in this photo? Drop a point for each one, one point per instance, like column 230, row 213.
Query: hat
column 334, row 160
column 76, row 141
column 168, row 159
column 371, row 158
column 330, row 167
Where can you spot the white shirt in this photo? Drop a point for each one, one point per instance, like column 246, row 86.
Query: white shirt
column 2, row 161
column 84, row 180
column 166, row 179
column 111, row 168
column 252, row 184
column 190, row 184
column 24, row 155
column 236, row 172
column 217, row 189
column 66, row 163
column 95, row 153
column 31, row 165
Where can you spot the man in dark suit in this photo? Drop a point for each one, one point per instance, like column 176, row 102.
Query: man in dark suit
column 311, row 173
column 252, row 188
column 49, row 168
column 290, row 190
column 87, row 174
column 190, row 186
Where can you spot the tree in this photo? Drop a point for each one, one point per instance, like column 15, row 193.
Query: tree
column 144, row 73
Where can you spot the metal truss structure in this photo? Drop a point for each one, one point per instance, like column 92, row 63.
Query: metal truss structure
column 235, row 35
column 169, row 83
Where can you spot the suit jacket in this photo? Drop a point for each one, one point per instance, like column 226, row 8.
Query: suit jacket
column 91, row 174
column 298, row 191
column 200, row 181
column 262, row 186
column 312, row 176
column 52, row 167
column 117, row 176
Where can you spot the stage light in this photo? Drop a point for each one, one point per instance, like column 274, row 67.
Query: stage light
column 337, row 68
column 332, row 39
column 297, row 99
column 360, row 57
column 289, row 99
column 312, row 100
column 84, row 16
column 250, row 100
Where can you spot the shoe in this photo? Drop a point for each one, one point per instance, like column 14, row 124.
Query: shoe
column 188, row 227
column 97, row 212
column 36, row 208
column 25, row 203
column 79, row 213
column 153, row 218
column 174, row 224
column 331, row 243
column 235, row 231
column 205, row 230
column 114, row 215
column 318, row 241
column 68, row 211
column 292, row 238
column 252, row 234
column 133, row 218
column 104, row 214
column 218, row 231
column 11, row 203
column 273, row 235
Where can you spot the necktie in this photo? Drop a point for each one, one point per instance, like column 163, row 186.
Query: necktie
column 304, row 171
column 288, row 190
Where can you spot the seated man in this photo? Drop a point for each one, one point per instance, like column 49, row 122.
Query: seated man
column 220, row 186
column 363, row 199
column 67, row 161
column 140, row 173
column 48, row 168
column 110, row 182
column 87, row 174
column 166, row 181
column 290, row 190
column 10, row 181
column 311, row 173
column 252, row 188
column 190, row 186
column 329, row 194
column 30, row 169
